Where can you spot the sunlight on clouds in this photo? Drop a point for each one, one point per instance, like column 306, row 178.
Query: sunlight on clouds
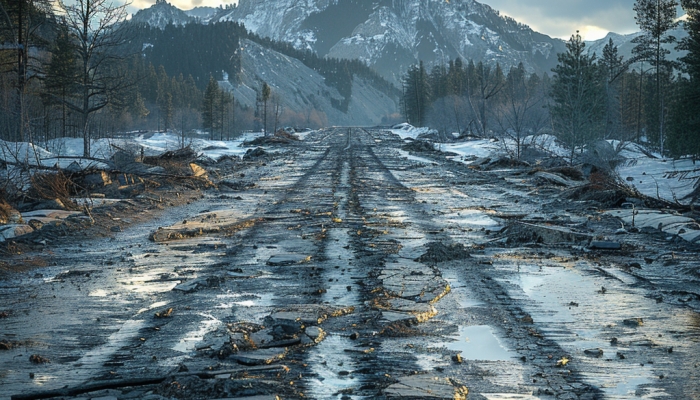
column 592, row 32
column 183, row 4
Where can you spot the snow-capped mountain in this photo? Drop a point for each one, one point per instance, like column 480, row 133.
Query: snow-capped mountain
column 203, row 14
column 390, row 35
column 161, row 14
column 625, row 45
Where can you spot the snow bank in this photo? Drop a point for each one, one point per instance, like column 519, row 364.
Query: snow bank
column 650, row 175
column 408, row 131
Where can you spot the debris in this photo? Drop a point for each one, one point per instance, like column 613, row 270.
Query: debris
column 37, row 359
column 519, row 232
column 604, row 245
column 281, row 260
column 635, row 322
column 562, row 362
column 440, row 252
column 254, row 153
column 594, row 352
column 165, row 313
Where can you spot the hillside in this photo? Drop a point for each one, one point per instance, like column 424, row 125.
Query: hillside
column 390, row 35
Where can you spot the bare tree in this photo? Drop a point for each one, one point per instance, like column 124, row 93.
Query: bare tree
column 522, row 111
column 94, row 24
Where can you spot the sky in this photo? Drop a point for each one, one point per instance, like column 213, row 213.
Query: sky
column 556, row 18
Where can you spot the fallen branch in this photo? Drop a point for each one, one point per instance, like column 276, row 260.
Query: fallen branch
column 122, row 383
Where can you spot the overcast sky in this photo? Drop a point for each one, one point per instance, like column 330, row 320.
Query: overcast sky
column 556, row 18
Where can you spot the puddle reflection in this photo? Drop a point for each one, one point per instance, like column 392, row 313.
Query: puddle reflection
column 479, row 343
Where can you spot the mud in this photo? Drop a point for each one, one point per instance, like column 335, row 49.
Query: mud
column 344, row 270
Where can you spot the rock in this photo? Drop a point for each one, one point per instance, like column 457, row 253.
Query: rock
column 14, row 230
column 281, row 260
column 260, row 357
column 254, row 153
column 116, row 228
column 594, row 352
column 315, row 334
column 635, row 322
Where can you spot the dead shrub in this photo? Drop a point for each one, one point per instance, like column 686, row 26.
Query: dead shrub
column 52, row 186
column 5, row 209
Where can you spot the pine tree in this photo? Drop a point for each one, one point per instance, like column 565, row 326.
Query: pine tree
column 578, row 96
column 613, row 68
column 684, row 137
column 211, row 95
column 416, row 99
column 61, row 74
column 656, row 18
column 266, row 92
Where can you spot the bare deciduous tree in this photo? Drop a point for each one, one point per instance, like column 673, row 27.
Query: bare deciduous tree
column 94, row 25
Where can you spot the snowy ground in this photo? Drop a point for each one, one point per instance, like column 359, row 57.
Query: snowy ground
column 651, row 176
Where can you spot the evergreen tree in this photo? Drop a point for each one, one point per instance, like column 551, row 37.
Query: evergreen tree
column 684, row 135
column 211, row 96
column 62, row 73
column 416, row 99
column 656, row 18
column 266, row 92
column 613, row 68
column 578, row 96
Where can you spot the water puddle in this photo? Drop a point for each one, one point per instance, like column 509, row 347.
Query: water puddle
column 472, row 219
column 189, row 342
column 153, row 306
column 574, row 309
column 245, row 300
column 479, row 343
column 98, row 356
column 332, row 375
column 458, row 292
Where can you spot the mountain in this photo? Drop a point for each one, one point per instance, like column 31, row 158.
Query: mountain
column 302, row 90
column 391, row 35
column 161, row 14
column 203, row 14
column 624, row 44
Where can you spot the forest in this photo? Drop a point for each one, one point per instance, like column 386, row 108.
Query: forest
column 648, row 98
column 83, row 70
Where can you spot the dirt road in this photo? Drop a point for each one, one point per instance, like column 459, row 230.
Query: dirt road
column 349, row 271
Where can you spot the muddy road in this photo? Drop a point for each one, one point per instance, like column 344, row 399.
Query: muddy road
column 340, row 269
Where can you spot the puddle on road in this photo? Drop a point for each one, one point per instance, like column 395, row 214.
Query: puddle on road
column 458, row 291
column 246, row 300
column 570, row 308
column 478, row 343
column 188, row 343
column 332, row 374
column 472, row 219
column 95, row 358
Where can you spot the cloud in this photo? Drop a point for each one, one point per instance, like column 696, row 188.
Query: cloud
column 557, row 18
